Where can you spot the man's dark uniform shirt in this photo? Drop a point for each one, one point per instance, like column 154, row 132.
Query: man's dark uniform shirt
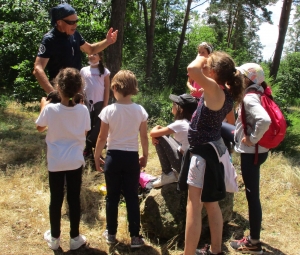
column 62, row 50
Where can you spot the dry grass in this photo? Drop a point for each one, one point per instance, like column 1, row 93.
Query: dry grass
column 280, row 198
column 24, row 200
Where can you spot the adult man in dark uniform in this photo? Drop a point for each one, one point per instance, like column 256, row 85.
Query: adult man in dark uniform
column 61, row 46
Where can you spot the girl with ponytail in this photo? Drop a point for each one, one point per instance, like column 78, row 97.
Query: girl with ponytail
column 97, row 88
column 67, row 124
column 222, row 85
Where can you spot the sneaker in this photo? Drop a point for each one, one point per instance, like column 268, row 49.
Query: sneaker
column 137, row 241
column 110, row 239
column 77, row 242
column 245, row 246
column 52, row 242
column 206, row 251
column 165, row 179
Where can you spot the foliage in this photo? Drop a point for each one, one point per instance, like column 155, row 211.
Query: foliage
column 158, row 106
column 168, row 24
column 23, row 23
column 19, row 31
column 236, row 24
column 26, row 89
column 266, row 68
column 293, row 38
column 4, row 100
column 197, row 34
column 290, row 144
column 287, row 81
column 169, row 19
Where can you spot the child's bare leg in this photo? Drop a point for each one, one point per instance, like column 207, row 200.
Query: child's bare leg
column 215, row 220
column 193, row 220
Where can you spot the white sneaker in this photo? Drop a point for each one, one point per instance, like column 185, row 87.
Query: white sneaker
column 77, row 242
column 52, row 242
column 165, row 179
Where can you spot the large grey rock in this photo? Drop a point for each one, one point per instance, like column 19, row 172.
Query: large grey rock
column 163, row 211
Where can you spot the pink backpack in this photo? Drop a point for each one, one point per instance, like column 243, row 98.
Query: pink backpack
column 145, row 178
column 277, row 129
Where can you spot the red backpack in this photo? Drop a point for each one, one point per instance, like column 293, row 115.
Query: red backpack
column 277, row 129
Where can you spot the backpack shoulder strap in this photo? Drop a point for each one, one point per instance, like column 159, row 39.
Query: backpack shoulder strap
column 243, row 118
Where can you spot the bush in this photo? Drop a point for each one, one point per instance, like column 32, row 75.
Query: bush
column 26, row 88
column 287, row 81
column 4, row 101
column 158, row 106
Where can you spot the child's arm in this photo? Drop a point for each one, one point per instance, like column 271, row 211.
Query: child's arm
column 144, row 142
column 159, row 131
column 41, row 129
column 43, row 103
column 230, row 117
column 201, row 73
column 101, row 141
column 189, row 85
column 195, row 70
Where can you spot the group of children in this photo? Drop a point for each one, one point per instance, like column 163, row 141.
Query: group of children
column 197, row 125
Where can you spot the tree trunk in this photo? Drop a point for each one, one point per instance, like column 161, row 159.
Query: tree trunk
column 144, row 5
column 229, row 25
column 114, row 51
column 150, row 41
column 233, row 23
column 283, row 26
column 173, row 73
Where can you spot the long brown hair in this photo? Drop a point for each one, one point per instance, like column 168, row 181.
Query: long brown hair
column 101, row 64
column 226, row 74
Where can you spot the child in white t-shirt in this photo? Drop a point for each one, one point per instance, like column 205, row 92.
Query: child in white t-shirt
column 122, row 122
column 96, row 89
column 171, row 149
column 67, row 124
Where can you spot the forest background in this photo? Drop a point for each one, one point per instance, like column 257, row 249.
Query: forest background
column 157, row 40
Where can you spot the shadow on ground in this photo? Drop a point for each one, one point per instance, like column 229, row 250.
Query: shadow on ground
column 84, row 250
column 20, row 141
column 235, row 230
column 122, row 248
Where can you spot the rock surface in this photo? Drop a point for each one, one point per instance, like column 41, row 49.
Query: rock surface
column 163, row 211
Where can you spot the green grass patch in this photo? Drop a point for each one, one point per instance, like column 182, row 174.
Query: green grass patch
column 20, row 142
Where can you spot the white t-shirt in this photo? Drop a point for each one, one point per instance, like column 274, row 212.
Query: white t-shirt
column 65, row 136
column 181, row 127
column 94, row 84
column 124, row 122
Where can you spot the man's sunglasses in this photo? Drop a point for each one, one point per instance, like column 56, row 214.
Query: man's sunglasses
column 70, row 22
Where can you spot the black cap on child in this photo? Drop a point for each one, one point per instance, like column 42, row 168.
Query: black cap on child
column 185, row 101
